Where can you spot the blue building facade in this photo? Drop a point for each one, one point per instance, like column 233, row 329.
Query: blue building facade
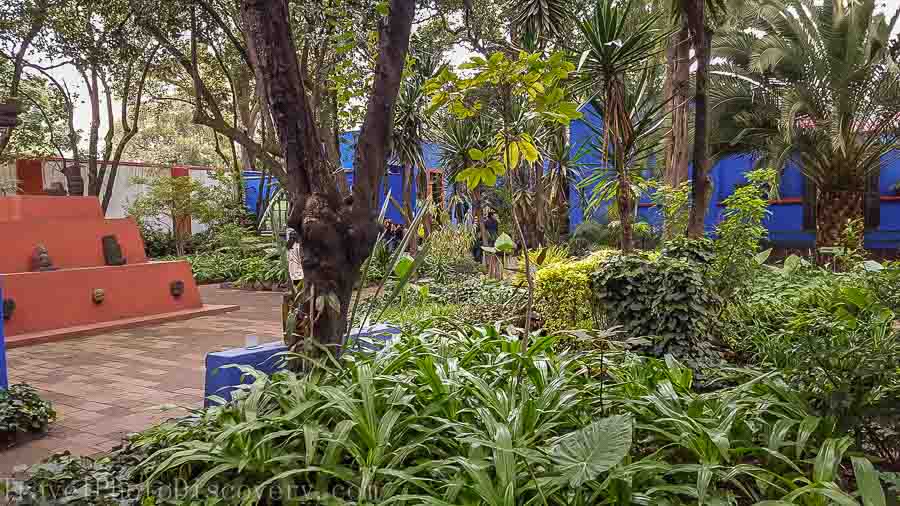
column 255, row 187
column 785, row 221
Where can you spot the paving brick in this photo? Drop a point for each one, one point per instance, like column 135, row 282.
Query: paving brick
column 108, row 386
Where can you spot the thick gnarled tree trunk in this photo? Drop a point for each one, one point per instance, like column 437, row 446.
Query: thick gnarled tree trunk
column 336, row 233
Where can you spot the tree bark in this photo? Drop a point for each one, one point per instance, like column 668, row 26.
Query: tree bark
column 408, row 178
column 336, row 235
column 834, row 209
column 700, row 191
column 128, row 131
column 677, row 89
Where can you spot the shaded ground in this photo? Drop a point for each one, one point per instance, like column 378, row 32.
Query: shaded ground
column 107, row 386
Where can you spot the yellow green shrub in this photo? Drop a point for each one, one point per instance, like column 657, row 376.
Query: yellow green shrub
column 562, row 292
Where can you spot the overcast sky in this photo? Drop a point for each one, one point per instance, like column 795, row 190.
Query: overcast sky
column 83, row 115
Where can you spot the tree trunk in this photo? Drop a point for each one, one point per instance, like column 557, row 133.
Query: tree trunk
column 92, row 84
column 834, row 209
column 677, row 90
column 336, row 234
column 700, row 190
column 625, row 203
column 422, row 189
column 408, row 207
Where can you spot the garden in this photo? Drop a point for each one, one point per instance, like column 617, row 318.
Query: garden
column 576, row 324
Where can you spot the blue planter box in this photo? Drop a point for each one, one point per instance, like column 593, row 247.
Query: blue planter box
column 221, row 381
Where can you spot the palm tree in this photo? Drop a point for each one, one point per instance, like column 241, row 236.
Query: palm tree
column 410, row 131
column 815, row 83
column 455, row 138
column 621, row 39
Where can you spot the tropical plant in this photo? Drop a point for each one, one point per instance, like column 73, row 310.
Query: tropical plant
column 622, row 90
column 813, row 82
column 410, row 131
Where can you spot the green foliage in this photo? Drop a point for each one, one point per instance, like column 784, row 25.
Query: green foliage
column 740, row 232
column 532, row 78
column 465, row 416
column 449, row 252
column 539, row 259
column 588, row 236
column 561, row 292
column 700, row 251
column 668, row 298
column 167, row 199
column 850, row 251
column 23, row 411
column 674, row 204
column 834, row 337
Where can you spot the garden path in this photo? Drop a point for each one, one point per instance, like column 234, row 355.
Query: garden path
column 107, row 386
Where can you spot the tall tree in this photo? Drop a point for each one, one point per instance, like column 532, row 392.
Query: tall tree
column 697, row 15
column 336, row 234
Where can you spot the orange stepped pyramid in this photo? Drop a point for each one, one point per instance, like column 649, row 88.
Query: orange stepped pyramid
column 82, row 295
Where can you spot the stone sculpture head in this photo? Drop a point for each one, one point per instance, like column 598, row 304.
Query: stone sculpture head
column 98, row 296
column 176, row 288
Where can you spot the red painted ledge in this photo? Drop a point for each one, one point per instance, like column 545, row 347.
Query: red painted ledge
column 54, row 335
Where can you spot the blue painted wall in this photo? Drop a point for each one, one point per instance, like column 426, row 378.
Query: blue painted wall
column 253, row 184
column 785, row 221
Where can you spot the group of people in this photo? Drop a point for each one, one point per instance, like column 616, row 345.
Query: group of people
column 393, row 234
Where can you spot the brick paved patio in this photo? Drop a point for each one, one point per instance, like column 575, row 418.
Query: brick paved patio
column 107, row 386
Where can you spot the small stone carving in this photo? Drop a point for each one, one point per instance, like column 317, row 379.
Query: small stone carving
column 98, row 296
column 176, row 288
column 40, row 260
column 9, row 307
column 112, row 251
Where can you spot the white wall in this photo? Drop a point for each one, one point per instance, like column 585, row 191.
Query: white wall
column 125, row 190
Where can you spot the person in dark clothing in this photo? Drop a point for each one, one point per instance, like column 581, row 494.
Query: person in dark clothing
column 491, row 226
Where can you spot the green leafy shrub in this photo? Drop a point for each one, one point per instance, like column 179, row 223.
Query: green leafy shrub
column 23, row 411
column 450, row 252
column 739, row 234
column 674, row 206
column 540, row 258
column 834, row 338
column 700, row 251
column 589, row 236
column 667, row 298
column 562, row 292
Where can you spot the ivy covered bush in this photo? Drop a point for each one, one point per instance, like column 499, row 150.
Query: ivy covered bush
column 22, row 411
column 562, row 292
column 666, row 298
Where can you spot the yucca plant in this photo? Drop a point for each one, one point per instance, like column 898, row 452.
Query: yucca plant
column 615, row 75
column 812, row 82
